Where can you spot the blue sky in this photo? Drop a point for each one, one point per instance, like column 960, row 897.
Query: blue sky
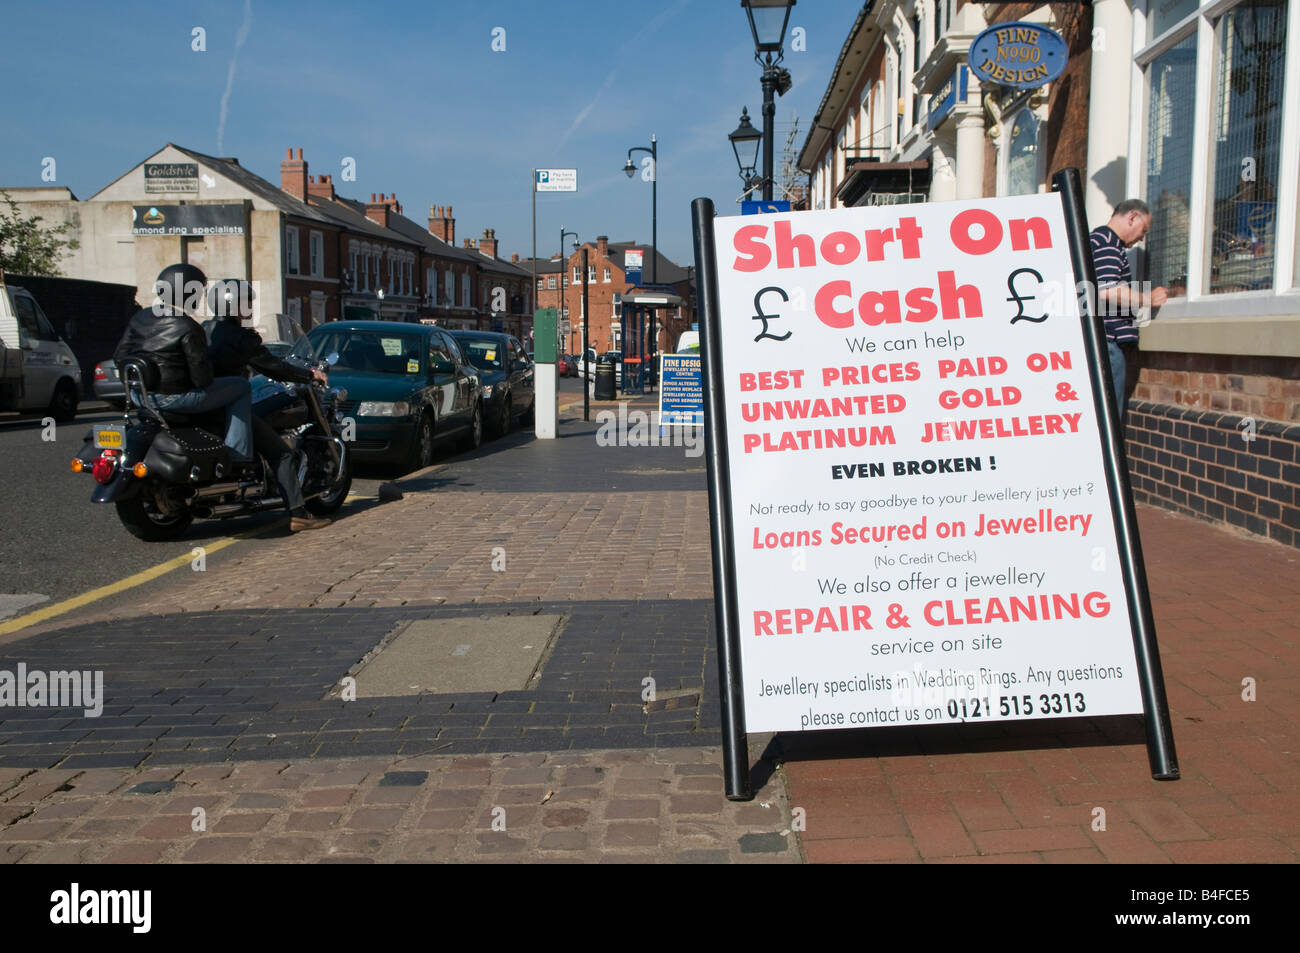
column 416, row 94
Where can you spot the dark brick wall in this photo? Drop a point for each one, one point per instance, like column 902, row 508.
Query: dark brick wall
column 90, row 315
column 1204, row 463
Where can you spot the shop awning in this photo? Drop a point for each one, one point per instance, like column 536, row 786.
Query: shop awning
column 885, row 183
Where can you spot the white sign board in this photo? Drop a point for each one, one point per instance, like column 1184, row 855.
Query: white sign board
column 921, row 521
column 555, row 180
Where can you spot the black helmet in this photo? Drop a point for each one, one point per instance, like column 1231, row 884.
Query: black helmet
column 180, row 287
column 230, row 298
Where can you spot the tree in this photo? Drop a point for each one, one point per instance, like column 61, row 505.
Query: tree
column 26, row 248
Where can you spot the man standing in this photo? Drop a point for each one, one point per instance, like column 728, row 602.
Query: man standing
column 1118, row 299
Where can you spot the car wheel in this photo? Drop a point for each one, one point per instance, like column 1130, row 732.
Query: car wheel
column 63, row 405
column 422, row 444
column 503, row 421
column 529, row 416
column 474, row 438
column 145, row 521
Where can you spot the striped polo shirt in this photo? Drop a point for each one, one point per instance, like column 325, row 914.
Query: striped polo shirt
column 1111, row 264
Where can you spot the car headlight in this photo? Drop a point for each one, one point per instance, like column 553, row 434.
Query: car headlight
column 380, row 408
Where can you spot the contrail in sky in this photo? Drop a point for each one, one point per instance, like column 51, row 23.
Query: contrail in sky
column 240, row 37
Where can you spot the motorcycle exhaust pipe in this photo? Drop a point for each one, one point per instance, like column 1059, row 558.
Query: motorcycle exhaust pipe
column 221, row 489
column 218, row 510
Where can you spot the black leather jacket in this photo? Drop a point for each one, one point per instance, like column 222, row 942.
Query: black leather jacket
column 235, row 349
column 174, row 343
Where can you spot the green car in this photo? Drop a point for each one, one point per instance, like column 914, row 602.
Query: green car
column 409, row 387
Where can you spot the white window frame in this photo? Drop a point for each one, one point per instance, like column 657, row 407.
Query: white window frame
column 1284, row 298
column 607, row 278
column 316, row 253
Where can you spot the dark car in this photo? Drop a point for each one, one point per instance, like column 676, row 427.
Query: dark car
column 409, row 386
column 507, row 374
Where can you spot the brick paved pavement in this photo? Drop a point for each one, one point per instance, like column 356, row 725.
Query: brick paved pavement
column 216, row 699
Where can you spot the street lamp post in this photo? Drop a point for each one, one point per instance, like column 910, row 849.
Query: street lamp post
column 630, row 170
column 744, row 142
column 564, row 301
column 767, row 23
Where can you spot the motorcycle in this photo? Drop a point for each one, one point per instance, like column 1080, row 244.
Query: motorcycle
column 163, row 470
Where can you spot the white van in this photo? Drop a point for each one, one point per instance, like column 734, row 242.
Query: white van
column 38, row 371
column 689, row 343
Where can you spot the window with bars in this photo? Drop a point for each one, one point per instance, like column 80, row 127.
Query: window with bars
column 1250, row 47
column 1171, row 100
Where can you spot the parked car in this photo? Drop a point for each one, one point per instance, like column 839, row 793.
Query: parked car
column 507, row 373
column 108, row 384
column 409, row 387
column 562, row 365
column 38, row 371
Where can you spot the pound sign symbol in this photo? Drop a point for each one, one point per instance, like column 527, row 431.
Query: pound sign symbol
column 1020, row 299
column 764, row 317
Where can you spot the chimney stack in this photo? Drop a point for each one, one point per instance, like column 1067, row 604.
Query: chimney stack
column 293, row 175
column 321, row 186
column 514, row 258
column 441, row 225
column 602, row 246
column 488, row 243
column 377, row 209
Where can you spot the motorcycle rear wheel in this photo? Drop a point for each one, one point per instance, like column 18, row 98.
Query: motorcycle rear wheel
column 329, row 501
column 145, row 521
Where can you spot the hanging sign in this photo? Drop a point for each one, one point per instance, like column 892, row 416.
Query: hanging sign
column 1020, row 55
column 919, row 504
column 632, row 261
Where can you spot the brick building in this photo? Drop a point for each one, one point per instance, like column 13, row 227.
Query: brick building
column 311, row 253
column 1191, row 105
column 607, row 286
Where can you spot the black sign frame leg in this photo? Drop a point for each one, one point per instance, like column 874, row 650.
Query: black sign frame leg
column 735, row 746
column 1155, row 704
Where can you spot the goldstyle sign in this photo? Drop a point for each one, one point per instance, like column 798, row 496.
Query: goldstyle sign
column 919, row 505
column 1020, row 55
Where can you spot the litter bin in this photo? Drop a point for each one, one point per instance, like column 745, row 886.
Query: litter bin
column 604, row 386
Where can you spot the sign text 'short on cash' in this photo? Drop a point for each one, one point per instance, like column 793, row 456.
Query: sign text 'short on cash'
column 974, row 232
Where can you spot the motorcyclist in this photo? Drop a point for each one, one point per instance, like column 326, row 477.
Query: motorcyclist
column 236, row 348
column 168, row 338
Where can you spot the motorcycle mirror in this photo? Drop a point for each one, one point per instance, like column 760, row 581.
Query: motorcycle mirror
column 332, row 358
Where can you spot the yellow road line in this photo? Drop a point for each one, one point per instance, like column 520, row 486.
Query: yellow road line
column 130, row 582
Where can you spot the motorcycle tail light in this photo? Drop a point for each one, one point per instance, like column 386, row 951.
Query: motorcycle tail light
column 104, row 468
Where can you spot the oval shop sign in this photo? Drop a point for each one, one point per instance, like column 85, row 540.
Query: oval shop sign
column 1020, row 55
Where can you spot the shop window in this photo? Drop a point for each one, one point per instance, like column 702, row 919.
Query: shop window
column 1171, row 100
column 1022, row 154
column 1250, row 46
column 1162, row 14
